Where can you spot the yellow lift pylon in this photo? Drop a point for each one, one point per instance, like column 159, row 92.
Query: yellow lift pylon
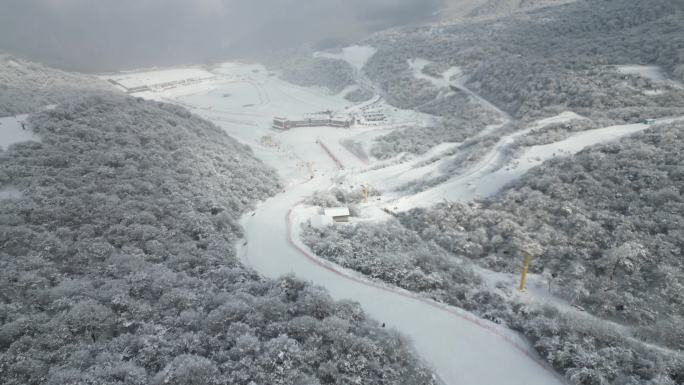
column 526, row 267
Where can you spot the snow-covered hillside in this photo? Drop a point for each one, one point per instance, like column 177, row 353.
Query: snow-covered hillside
column 243, row 222
column 118, row 266
column 463, row 9
column 28, row 87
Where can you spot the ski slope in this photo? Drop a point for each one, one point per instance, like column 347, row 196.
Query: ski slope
column 444, row 81
column 494, row 171
column 406, row 169
column 454, row 77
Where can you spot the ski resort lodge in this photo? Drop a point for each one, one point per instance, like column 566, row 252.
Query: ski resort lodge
column 286, row 124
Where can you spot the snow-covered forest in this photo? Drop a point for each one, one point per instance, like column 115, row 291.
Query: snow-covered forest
column 535, row 62
column 463, row 118
column 538, row 63
column 353, row 210
column 303, row 69
column 26, row 86
column 117, row 263
column 609, row 222
column 360, row 94
column 608, row 219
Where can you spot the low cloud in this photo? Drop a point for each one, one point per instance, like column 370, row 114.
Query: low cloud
column 99, row 35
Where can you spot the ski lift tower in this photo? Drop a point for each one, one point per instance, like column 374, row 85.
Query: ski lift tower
column 529, row 253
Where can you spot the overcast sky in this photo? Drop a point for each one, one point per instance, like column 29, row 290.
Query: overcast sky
column 98, row 35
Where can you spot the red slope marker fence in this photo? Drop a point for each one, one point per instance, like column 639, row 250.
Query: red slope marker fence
column 330, row 154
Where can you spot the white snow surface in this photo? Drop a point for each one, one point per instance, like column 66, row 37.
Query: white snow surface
column 357, row 55
column 459, row 346
column 243, row 99
column 654, row 73
column 10, row 193
column 493, row 172
column 336, row 211
column 11, row 131
column 406, row 169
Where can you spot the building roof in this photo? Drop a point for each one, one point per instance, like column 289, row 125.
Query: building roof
column 337, row 212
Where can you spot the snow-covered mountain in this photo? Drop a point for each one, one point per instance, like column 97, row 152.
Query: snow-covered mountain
column 461, row 9
column 177, row 235
column 26, row 86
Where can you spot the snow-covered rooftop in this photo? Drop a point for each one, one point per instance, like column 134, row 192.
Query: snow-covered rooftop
column 337, row 212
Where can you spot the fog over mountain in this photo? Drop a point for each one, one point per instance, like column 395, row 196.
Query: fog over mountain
column 109, row 35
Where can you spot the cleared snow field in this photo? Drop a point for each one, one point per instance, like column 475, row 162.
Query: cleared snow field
column 11, row 131
column 405, row 170
column 447, row 78
column 10, row 193
column 654, row 73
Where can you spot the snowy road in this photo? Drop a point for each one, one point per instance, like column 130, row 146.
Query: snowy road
column 461, row 348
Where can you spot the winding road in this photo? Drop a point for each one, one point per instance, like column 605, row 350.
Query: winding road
column 461, row 348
